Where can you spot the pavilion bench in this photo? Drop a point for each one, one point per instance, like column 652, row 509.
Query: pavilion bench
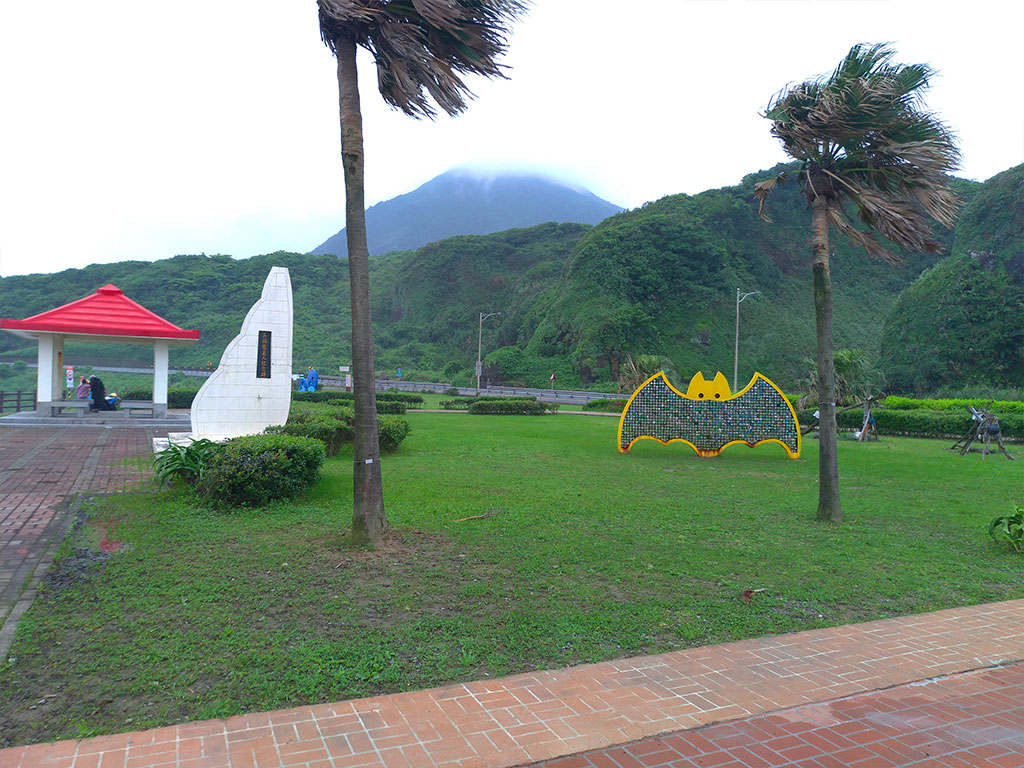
column 128, row 406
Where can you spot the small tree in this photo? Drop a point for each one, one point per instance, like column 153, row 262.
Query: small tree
column 866, row 147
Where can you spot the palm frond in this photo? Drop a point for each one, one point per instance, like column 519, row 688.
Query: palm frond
column 423, row 47
column 864, row 128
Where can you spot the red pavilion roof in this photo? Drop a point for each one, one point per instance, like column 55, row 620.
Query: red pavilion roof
column 108, row 312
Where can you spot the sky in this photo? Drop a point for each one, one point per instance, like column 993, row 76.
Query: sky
column 138, row 131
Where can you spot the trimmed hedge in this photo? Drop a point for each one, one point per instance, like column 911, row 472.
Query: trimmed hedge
column 176, row 398
column 329, row 395
column 391, row 431
column 333, row 423
column 958, row 404
column 513, row 407
column 255, row 470
column 921, row 422
column 604, row 405
column 390, row 406
column 463, row 403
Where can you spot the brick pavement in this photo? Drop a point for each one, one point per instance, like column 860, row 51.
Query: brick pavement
column 970, row 720
column 542, row 716
column 41, row 472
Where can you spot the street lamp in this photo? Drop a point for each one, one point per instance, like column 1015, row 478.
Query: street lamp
column 479, row 344
column 736, row 349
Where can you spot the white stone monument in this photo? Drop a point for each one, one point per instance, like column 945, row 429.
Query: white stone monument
column 251, row 388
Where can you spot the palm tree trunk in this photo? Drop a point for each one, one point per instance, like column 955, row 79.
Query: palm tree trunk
column 369, row 523
column 828, row 457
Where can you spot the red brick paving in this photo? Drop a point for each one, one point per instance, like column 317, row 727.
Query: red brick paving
column 971, row 719
column 41, row 469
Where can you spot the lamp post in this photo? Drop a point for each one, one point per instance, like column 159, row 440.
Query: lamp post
column 479, row 346
column 736, row 348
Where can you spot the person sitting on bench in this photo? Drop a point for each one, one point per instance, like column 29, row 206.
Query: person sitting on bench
column 99, row 396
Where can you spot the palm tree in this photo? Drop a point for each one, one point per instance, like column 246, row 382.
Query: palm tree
column 866, row 146
column 421, row 47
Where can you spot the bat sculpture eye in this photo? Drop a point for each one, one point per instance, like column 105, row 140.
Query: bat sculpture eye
column 717, row 395
column 700, row 394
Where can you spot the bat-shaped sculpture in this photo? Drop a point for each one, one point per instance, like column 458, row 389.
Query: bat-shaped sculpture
column 709, row 417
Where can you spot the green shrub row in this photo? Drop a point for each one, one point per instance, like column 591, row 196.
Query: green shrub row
column 176, row 398
column 921, row 423
column 605, row 405
column 333, row 423
column 255, row 470
column 954, row 404
column 513, row 407
column 463, row 403
column 328, row 395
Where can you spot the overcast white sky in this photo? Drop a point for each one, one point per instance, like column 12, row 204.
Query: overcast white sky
column 134, row 130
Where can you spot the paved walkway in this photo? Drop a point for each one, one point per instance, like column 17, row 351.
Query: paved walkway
column 41, row 471
column 547, row 715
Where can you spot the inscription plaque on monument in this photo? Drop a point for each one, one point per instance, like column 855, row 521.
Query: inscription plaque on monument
column 263, row 355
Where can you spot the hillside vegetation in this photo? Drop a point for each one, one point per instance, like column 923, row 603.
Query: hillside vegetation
column 962, row 322
column 576, row 300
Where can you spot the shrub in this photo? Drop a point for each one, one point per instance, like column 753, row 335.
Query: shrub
column 176, row 398
column 255, row 470
column 390, row 406
column 400, row 397
column 334, row 395
column 605, row 405
column 954, row 404
column 1009, row 530
column 186, row 463
column 391, row 431
column 452, row 391
column 921, row 422
column 513, row 407
column 459, row 404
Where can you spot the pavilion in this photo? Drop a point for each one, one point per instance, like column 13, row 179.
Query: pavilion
column 107, row 316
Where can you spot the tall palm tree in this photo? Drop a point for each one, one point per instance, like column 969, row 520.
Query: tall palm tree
column 866, row 147
column 421, row 48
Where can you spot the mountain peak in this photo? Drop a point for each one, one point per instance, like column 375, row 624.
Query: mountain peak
column 472, row 201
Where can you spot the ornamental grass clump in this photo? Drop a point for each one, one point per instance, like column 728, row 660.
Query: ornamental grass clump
column 255, row 470
column 1009, row 530
column 184, row 463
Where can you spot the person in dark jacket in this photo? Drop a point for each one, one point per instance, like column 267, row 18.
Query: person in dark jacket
column 99, row 396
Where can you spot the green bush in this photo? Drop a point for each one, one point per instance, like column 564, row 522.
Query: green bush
column 513, row 407
column 332, row 395
column 255, row 470
column 333, row 423
column 920, row 422
column 604, row 405
column 1009, row 530
column 176, row 398
column 954, row 404
column 390, row 406
column 400, row 397
column 391, row 431
column 457, row 404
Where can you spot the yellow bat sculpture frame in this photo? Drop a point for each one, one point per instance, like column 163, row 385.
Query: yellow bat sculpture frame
column 708, row 417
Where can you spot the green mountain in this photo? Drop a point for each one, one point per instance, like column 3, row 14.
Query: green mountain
column 575, row 299
column 962, row 321
column 463, row 202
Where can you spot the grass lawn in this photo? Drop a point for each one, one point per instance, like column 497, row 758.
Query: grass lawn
column 586, row 555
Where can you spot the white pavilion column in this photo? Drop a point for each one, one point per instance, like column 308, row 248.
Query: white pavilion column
column 160, row 379
column 47, row 361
